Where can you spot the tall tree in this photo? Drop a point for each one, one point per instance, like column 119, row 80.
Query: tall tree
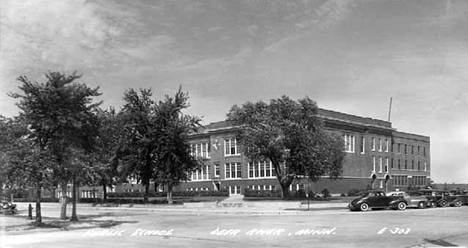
column 59, row 113
column 174, row 160
column 155, row 146
column 137, row 151
column 290, row 135
column 107, row 142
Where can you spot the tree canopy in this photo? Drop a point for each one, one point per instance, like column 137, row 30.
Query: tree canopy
column 155, row 143
column 290, row 135
column 60, row 117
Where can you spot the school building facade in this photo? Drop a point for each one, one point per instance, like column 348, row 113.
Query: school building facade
column 377, row 156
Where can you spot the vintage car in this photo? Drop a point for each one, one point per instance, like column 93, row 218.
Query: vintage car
column 374, row 199
column 7, row 207
column 442, row 197
column 461, row 194
column 413, row 200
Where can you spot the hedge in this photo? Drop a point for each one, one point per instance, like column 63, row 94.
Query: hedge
column 34, row 199
column 276, row 193
column 223, row 192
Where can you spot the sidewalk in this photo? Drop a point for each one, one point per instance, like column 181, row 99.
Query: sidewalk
column 230, row 205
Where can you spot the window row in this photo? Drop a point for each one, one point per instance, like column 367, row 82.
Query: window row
column 261, row 187
column 376, row 144
column 419, row 180
column 261, row 170
column 200, row 150
column 402, row 180
column 234, row 170
column 380, row 160
column 381, row 145
column 409, row 165
column 202, row 174
column 197, row 189
column 89, row 194
column 411, row 149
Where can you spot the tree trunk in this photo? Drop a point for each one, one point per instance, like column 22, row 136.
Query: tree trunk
column 104, row 189
column 285, row 182
column 285, row 189
column 74, row 217
column 63, row 209
column 38, row 206
column 147, row 188
column 169, row 193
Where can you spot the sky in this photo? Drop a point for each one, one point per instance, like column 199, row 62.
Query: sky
column 350, row 56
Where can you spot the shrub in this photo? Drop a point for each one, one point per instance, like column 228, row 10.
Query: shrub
column 299, row 194
column 223, row 192
column 262, row 193
column 343, row 195
column 354, row 192
column 326, row 194
column 34, row 200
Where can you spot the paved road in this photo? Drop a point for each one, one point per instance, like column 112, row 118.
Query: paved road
column 327, row 228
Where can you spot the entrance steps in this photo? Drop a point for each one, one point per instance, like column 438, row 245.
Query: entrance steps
column 232, row 201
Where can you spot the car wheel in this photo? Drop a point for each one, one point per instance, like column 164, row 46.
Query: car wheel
column 443, row 203
column 421, row 205
column 364, row 207
column 433, row 204
column 458, row 204
column 401, row 206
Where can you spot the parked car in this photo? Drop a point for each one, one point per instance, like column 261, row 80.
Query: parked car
column 413, row 200
column 461, row 194
column 442, row 197
column 7, row 207
column 374, row 199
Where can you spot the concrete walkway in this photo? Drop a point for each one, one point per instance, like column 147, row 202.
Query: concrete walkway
column 229, row 205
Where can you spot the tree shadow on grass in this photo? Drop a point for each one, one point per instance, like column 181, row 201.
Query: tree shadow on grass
column 85, row 222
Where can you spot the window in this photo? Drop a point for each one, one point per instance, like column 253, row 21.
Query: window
column 424, row 151
column 380, row 144
column 373, row 163
column 216, row 169
column 419, row 180
column 400, row 180
column 412, row 150
column 202, row 174
column 233, row 170
column 406, row 149
column 399, row 164
column 412, row 164
column 399, row 148
column 234, row 190
column 425, row 166
column 406, row 164
column 261, row 170
column 380, row 164
column 386, row 164
column 373, row 144
column 419, row 165
column 363, row 145
column 393, row 165
column 386, row 145
column 231, row 147
column 200, row 150
column 419, row 151
column 349, row 142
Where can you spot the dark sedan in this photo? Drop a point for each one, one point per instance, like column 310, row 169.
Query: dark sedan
column 377, row 199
